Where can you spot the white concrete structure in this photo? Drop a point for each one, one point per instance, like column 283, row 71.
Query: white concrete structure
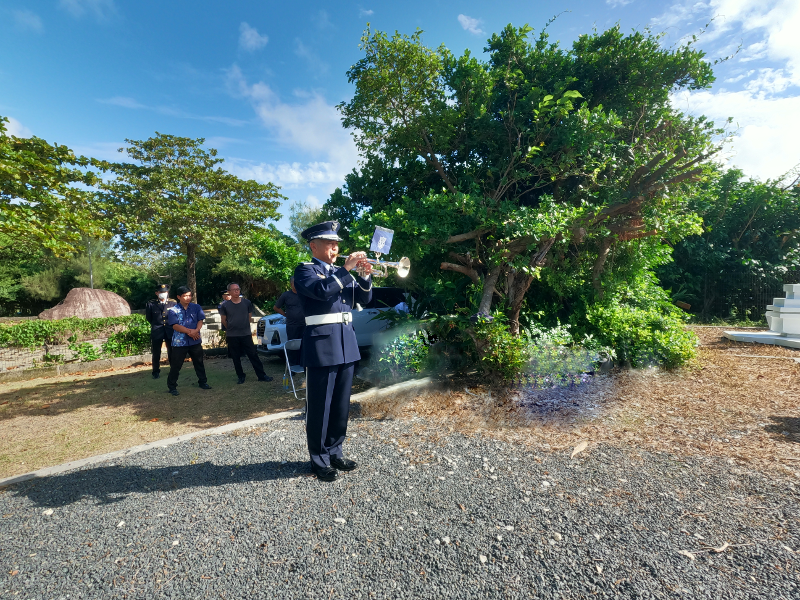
column 783, row 318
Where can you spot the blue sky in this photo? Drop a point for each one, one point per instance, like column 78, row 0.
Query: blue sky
column 260, row 80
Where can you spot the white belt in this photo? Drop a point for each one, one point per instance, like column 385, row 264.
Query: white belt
column 344, row 317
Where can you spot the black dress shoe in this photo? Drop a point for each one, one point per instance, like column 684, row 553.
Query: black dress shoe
column 326, row 474
column 265, row 378
column 204, row 386
column 343, row 464
column 156, row 375
column 240, row 380
column 174, row 392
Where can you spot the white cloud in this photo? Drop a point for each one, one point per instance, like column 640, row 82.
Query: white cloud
column 765, row 101
column 616, row 3
column 250, row 39
column 28, row 20
column 470, row 24
column 766, row 145
column 322, row 20
column 126, row 102
column 310, row 126
column 100, row 9
column 123, row 101
column 17, row 129
column 776, row 21
column 317, row 65
column 366, row 13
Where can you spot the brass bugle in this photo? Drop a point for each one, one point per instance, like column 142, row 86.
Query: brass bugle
column 380, row 268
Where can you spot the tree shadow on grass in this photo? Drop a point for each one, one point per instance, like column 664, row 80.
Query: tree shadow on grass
column 148, row 398
column 109, row 484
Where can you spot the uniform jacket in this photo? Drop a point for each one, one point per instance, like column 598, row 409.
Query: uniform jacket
column 324, row 292
column 156, row 315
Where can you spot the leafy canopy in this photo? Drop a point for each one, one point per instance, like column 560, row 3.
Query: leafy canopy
column 44, row 200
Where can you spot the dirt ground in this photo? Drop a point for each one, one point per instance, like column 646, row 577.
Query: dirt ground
column 739, row 401
column 46, row 422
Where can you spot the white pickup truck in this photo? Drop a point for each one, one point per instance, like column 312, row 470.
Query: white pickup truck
column 271, row 330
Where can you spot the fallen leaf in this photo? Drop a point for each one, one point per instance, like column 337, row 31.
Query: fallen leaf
column 153, row 420
column 579, row 448
column 722, row 548
column 599, row 569
column 687, row 554
column 1, row 403
column 48, row 512
column 462, row 507
column 12, row 573
column 107, row 422
column 45, row 406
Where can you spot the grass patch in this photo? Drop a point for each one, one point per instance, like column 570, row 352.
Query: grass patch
column 46, row 422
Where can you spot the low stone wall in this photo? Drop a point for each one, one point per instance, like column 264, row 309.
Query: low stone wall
column 76, row 367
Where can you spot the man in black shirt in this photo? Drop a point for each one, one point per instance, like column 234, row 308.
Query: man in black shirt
column 290, row 307
column 160, row 332
column 236, row 314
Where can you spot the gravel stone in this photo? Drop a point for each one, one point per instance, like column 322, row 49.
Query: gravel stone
column 246, row 518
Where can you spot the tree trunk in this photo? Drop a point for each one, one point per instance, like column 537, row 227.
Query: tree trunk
column 522, row 282
column 489, row 285
column 599, row 263
column 191, row 275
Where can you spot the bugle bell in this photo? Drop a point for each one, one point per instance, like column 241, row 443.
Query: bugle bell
column 380, row 268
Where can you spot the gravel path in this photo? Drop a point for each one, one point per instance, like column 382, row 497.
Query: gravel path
column 426, row 516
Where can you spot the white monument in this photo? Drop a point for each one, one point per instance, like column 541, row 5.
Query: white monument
column 783, row 318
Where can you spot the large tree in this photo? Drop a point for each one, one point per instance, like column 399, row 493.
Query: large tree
column 175, row 198
column 542, row 155
column 44, row 200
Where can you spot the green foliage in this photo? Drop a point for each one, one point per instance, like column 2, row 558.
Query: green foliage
column 40, row 205
column 175, row 199
column 643, row 327
column 36, row 332
column 85, row 351
column 562, row 171
column 499, row 354
column 750, row 236
column 405, row 356
column 133, row 339
column 302, row 216
column 264, row 265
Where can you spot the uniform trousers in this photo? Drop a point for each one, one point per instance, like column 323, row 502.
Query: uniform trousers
column 179, row 353
column 239, row 345
column 156, row 350
column 328, row 398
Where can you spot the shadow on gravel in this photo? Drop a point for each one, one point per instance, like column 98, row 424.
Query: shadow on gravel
column 785, row 429
column 109, row 484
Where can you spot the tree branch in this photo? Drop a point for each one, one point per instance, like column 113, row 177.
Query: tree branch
column 471, row 273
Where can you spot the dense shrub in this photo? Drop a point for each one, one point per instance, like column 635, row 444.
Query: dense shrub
column 644, row 331
column 38, row 332
column 405, row 356
column 133, row 339
column 126, row 336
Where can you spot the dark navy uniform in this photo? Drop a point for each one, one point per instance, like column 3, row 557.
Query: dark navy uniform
column 160, row 331
column 329, row 352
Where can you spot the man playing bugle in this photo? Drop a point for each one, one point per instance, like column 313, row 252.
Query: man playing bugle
column 330, row 350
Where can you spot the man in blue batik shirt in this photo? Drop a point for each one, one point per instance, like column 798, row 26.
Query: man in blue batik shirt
column 186, row 319
column 330, row 350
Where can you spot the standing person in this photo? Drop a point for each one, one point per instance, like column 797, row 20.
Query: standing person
column 226, row 295
column 236, row 314
column 160, row 333
column 330, row 349
column 289, row 306
column 186, row 319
